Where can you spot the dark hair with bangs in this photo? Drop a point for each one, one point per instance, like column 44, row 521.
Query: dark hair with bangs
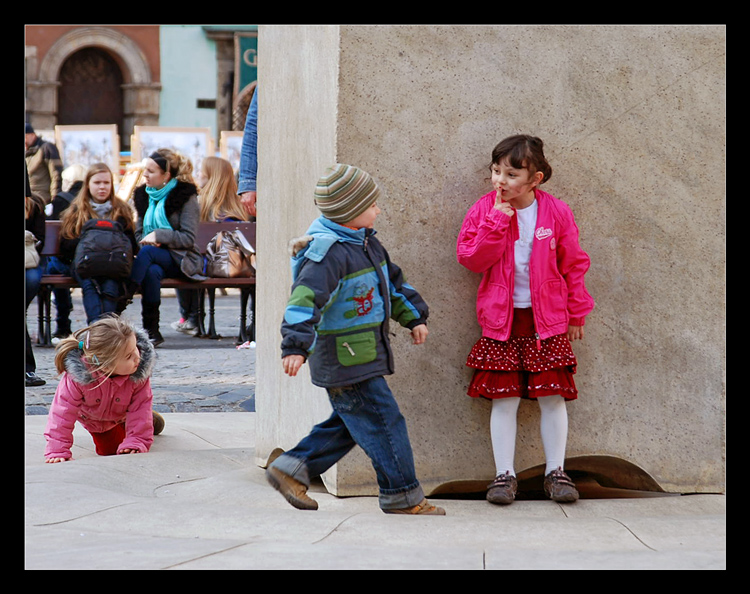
column 523, row 152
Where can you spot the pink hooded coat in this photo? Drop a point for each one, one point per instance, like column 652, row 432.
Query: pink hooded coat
column 99, row 403
column 558, row 264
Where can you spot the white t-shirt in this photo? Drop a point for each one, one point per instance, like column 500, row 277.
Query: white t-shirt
column 526, row 226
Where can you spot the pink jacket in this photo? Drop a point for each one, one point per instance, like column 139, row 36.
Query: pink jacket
column 99, row 404
column 558, row 264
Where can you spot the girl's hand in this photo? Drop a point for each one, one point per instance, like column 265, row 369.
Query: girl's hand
column 150, row 239
column 55, row 460
column 129, row 451
column 419, row 334
column 503, row 206
column 292, row 364
column 575, row 333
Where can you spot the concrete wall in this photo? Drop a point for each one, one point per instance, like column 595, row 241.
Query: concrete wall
column 633, row 119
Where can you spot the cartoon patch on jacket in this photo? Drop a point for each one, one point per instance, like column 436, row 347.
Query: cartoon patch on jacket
column 363, row 299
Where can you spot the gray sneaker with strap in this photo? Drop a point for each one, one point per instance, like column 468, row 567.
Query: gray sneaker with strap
column 503, row 489
column 558, row 487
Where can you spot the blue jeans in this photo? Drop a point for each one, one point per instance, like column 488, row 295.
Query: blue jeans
column 33, row 281
column 63, row 300
column 99, row 295
column 150, row 266
column 364, row 414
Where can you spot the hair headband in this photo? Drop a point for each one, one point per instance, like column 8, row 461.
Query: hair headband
column 160, row 161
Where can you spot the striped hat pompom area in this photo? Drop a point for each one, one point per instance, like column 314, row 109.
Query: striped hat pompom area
column 344, row 192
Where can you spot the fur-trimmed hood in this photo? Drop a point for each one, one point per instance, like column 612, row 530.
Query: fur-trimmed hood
column 176, row 199
column 319, row 238
column 82, row 374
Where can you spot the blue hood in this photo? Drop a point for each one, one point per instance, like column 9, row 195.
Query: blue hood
column 324, row 233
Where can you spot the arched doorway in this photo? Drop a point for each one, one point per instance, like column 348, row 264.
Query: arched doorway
column 140, row 95
column 90, row 89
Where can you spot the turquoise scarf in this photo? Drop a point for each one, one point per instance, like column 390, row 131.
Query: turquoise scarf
column 155, row 217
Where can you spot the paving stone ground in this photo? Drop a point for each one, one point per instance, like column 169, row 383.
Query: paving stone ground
column 191, row 374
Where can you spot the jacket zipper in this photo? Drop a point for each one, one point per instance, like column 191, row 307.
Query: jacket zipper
column 531, row 292
column 348, row 348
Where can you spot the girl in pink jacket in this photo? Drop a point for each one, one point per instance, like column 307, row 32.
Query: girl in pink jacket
column 105, row 386
column 531, row 303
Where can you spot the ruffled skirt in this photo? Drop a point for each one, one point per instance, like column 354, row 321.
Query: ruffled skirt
column 522, row 366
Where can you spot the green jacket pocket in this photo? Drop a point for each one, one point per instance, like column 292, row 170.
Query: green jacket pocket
column 356, row 349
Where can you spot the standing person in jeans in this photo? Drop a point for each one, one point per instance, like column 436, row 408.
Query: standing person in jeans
column 344, row 293
column 248, row 172
column 43, row 164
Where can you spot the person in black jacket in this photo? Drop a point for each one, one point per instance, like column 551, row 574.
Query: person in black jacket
column 96, row 200
column 34, row 210
column 344, row 293
column 72, row 182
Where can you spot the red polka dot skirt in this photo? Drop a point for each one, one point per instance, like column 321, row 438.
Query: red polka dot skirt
column 521, row 367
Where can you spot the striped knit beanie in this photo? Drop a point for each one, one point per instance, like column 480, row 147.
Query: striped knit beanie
column 345, row 192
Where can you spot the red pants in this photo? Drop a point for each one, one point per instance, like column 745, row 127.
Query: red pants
column 107, row 443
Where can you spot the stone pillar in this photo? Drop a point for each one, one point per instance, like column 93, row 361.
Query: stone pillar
column 633, row 119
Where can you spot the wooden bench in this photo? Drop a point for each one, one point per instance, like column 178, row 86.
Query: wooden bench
column 206, row 232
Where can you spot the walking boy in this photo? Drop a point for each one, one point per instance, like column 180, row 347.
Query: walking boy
column 345, row 289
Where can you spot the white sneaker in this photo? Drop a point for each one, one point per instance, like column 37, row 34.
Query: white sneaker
column 185, row 326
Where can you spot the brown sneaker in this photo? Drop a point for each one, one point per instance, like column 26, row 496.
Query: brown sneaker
column 559, row 487
column 292, row 490
column 424, row 508
column 503, row 489
column 158, row 422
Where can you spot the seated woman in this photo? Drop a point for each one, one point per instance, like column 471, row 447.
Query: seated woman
column 166, row 225
column 218, row 195
column 219, row 203
column 95, row 200
column 72, row 182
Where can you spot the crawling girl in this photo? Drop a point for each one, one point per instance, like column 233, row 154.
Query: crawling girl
column 106, row 386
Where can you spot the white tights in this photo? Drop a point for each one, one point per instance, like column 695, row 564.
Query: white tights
column 553, row 425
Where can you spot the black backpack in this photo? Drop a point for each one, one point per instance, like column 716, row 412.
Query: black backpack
column 103, row 250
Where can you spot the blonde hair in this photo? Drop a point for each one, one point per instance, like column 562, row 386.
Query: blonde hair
column 102, row 344
column 80, row 210
column 218, row 197
column 70, row 175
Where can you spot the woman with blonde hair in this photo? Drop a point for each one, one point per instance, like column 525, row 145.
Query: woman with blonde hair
column 219, row 203
column 218, row 194
column 95, row 200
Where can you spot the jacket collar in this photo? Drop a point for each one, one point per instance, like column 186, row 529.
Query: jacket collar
column 321, row 235
column 83, row 374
